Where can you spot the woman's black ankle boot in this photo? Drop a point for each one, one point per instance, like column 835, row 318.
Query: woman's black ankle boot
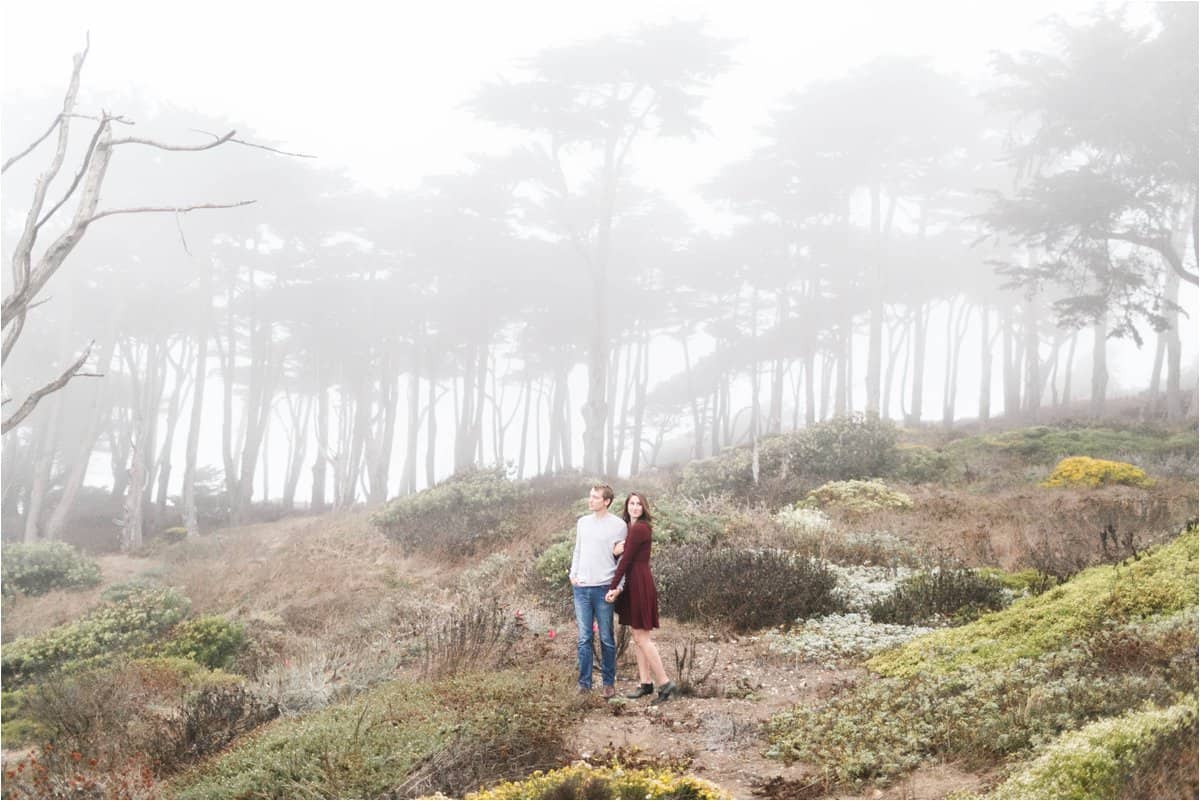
column 665, row 692
column 642, row 690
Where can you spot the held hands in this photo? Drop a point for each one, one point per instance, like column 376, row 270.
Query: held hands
column 619, row 548
column 611, row 596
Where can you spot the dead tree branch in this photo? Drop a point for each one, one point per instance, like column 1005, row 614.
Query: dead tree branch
column 34, row 397
column 176, row 209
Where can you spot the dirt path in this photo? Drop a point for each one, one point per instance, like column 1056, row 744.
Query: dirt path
column 721, row 737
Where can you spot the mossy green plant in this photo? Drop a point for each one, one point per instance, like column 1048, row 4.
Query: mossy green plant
column 1047, row 444
column 1160, row 582
column 1094, row 761
column 857, row 497
column 611, row 781
column 880, row 728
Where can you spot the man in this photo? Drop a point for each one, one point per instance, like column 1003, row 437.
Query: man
column 592, row 570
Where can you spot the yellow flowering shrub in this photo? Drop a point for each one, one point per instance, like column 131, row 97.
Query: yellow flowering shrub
column 1084, row 471
column 612, row 781
column 1095, row 761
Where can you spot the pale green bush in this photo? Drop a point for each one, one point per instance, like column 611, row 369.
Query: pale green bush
column 1096, row 761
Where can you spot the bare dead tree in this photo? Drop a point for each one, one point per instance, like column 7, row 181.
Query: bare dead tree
column 30, row 274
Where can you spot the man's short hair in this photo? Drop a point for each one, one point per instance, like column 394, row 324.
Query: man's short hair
column 606, row 491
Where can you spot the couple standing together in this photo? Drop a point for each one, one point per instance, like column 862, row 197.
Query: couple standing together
column 602, row 583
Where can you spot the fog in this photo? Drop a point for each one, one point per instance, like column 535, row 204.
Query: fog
column 353, row 255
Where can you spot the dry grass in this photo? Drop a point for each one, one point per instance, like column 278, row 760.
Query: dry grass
column 1058, row 530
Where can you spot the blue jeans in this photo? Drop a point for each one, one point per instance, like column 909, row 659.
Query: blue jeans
column 590, row 605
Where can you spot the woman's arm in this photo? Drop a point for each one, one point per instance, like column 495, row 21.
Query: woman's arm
column 637, row 537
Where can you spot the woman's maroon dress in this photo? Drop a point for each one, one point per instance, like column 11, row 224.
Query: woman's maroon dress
column 637, row 606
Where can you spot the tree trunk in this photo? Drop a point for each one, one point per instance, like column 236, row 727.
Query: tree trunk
column 697, row 424
column 639, row 403
column 264, row 364
column 875, row 317
column 775, row 418
column 1174, row 397
column 99, row 409
column 480, row 396
column 810, row 389
column 1033, row 361
column 321, row 462
column 920, row 330
column 1012, row 363
column 464, row 442
column 379, row 448
column 190, row 517
column 1070, row 367
column 841, row 392
column 595, row 409
column 431, row 426
column 528, row 394
column 985, row 365
column 408, row 479
column 1099, row 366
column 956, row 328
column 612, row 424
column 131, row 523
column 897, row 339
column 120, row 434
column 827, row 361
column 228, row 360
column 174, row 406
column 300, row 415
column 43, row 465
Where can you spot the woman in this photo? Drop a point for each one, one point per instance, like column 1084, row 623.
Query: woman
column 637, row 605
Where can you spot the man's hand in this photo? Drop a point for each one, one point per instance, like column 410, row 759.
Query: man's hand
column 619, row 548
column 611, row 596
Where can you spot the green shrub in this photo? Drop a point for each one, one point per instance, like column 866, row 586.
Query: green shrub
column 678, row 520
column 857, row 498
column 124, row 590
column 554, row 564
column 454, row 516
column 211, row 641
column 1161, row 582
column 956, row 593
column 401, row 739
column 859, row 446
column 921, row 465
column 727, row 473
column 615, row 781
column 40, row 567
column 1099, row 760
column 107, row 630
column 744, row 589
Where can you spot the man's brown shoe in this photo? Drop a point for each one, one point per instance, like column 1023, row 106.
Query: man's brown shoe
column 609, row 691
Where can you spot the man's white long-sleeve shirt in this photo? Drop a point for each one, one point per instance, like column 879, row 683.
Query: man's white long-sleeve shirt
column 592, row 563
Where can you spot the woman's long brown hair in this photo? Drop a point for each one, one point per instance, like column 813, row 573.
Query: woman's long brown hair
column 645, row 518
